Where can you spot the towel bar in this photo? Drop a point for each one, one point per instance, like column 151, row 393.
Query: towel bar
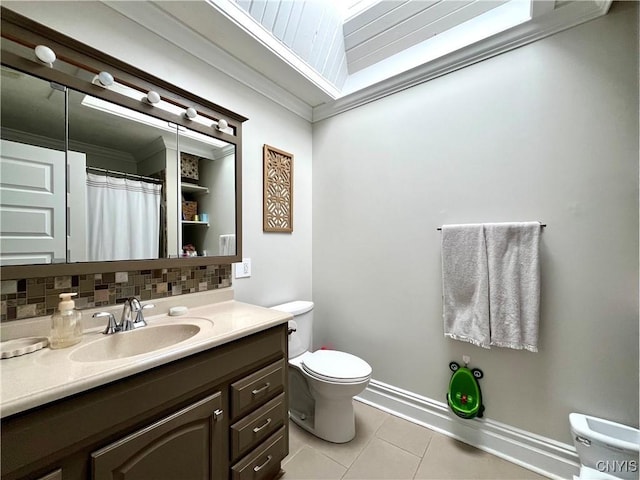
column 542, row 225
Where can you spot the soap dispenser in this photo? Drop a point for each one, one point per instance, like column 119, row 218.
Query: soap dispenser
column 66, row 323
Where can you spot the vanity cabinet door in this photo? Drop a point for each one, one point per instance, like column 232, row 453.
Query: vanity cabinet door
column 187, row 445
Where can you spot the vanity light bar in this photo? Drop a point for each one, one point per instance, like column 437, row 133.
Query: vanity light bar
column 153, row 98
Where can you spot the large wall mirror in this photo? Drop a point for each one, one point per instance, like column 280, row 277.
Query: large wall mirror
column 96, row 175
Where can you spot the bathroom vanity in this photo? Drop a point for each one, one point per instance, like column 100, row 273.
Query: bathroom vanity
column 211, row 407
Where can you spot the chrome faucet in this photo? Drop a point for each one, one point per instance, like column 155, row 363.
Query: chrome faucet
column 132, row 317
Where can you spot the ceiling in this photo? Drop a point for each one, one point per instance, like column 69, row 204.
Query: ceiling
column 319, row 59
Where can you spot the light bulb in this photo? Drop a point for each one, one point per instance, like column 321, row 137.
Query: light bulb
column 191, row 113
column 153, row 97
column 222, row 124
column 105, row 78
column 45, row 54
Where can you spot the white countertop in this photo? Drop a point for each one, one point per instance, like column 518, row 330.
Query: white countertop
column 43, row 376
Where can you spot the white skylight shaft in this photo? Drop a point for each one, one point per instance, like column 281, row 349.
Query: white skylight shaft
column 494, row 21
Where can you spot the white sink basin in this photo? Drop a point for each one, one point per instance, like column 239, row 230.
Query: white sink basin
column 135, row 342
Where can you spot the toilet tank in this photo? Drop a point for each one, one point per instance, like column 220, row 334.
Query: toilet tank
column 302, row 311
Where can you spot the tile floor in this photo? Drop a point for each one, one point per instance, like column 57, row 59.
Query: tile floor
column 391, row 448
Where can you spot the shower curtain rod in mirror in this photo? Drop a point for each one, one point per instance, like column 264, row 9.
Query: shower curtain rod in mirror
column 116, row 173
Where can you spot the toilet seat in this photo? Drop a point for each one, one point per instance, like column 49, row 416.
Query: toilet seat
column 336, row 367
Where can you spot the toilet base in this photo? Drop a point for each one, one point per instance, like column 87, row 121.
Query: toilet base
column 322, row 408
column 333, row 423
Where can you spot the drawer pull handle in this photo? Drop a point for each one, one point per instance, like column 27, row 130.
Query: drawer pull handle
column 261, row 389
column 257, row 468
column 218, row 415
column 261, row 427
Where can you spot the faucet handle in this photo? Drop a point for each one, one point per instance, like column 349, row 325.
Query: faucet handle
column 112, row 325
column 140, row 321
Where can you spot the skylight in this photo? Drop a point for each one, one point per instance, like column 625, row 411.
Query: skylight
column 494, row 21
column 348, row 45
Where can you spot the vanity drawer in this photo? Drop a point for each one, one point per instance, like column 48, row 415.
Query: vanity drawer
column 255, row 389
column 252, row 429
column 264, row 462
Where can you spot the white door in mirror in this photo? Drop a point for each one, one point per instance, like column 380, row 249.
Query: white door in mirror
column 32, row 206
column 243, row 269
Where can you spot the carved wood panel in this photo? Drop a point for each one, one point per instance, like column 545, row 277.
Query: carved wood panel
column 278, row 190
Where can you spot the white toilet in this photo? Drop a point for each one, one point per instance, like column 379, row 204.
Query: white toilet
column 607, row 450
column 322, row 384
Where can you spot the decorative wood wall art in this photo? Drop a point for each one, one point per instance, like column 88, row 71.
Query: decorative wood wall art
column 278, row 190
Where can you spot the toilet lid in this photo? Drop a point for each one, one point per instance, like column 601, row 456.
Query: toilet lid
column 336, row 366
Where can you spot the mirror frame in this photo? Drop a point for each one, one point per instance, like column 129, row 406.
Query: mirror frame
column 19, row 29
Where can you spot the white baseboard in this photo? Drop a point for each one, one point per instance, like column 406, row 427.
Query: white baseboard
column 542, row 455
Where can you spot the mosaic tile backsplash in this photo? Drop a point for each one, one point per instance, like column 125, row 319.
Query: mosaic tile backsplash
column 34, row 297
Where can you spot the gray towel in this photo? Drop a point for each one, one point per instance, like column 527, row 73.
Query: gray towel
column 514, row 283
column 465, row 284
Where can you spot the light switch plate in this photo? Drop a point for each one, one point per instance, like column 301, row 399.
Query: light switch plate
column 243, row 269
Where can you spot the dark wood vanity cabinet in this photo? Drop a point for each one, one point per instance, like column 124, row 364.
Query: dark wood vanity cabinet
column 182, row 445
column 217, row 414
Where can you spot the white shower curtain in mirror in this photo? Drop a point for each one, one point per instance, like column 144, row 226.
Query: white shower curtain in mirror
column 123, row 218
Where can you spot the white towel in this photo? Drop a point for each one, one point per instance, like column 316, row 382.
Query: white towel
column 514, row 283
column 465, row 284
column 227, row 244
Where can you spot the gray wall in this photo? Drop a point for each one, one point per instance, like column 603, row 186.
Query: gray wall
column 546, row 132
